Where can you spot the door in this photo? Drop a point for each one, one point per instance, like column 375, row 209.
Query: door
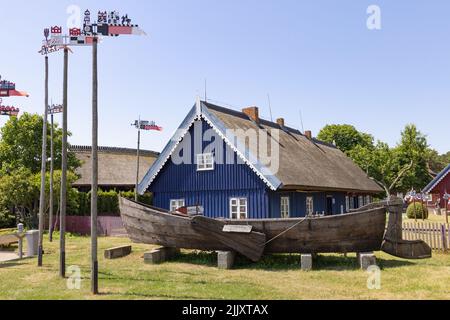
column 329, row 211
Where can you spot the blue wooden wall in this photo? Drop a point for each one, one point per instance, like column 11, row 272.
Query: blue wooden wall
column 212, row 189
column 297, row 202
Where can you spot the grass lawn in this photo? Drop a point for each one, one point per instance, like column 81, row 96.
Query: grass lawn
column 194, row 275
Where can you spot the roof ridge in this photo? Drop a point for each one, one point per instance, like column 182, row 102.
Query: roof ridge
column 110, row 149
column 266, row 122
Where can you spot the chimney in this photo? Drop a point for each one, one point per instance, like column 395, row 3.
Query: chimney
column 308, row 134
column 252, row 113
column 280, row 122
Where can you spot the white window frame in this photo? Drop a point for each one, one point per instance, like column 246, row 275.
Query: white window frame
column 309, row 205
column 285, row 207
column 205, row 162
column 176, row 204
column 368, row 199
column 347, row 203
column 360, row 201
column 237, row 203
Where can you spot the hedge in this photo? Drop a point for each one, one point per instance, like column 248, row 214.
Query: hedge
column 108, row 202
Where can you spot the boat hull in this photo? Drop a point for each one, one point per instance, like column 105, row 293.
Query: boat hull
column 353, row 232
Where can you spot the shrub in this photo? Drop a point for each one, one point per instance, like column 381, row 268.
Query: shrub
column 417, row 211
column 108, row 202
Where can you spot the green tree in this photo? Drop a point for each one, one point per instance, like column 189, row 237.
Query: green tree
column 21, row 145
column 20, row 190
column 413, row 148
column 381, row 163
column 345, row 137
column 437, row 162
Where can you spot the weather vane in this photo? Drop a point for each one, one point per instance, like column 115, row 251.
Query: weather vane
column 108, row 25
column 8, row 89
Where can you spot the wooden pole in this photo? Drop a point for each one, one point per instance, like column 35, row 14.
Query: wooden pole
column 43, row 169
column 51, row 200
column 94, row 189
column 63, row 198
column 137, row 165
column 446, row 211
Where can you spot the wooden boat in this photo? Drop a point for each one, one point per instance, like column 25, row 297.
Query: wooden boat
column 360, row 231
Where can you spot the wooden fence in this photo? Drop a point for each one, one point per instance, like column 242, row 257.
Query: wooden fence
column 436, row 235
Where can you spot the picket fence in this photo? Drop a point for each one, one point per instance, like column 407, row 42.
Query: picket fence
column 436, row 235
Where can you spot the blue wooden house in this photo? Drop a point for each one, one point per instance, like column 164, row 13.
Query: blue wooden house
column 210, row 163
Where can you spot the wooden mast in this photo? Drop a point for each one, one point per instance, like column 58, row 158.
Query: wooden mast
column 51, row 200
column 43, row 169
column 63, row 198
column 138, row 160
column 94, row 188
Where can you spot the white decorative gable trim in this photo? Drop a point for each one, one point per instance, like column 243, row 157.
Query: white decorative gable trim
column 200, row 112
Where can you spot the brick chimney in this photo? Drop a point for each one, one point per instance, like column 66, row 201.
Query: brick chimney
column 308, row 134
column 252, row 113
column 280, row 122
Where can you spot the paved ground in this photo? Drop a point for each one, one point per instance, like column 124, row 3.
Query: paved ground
column 7, row 256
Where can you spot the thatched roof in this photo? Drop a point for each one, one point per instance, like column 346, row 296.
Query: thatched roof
column 116, row 166
column 305, row 164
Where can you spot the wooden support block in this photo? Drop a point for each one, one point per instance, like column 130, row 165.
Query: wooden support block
column 160, row 255
column 225, row 259
column 366, row 259
column 117, row 252
column 306, row 262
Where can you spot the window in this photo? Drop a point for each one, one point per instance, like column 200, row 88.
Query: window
column 205, row 162
column 368, row 200
column 347, row 203
column 360, row 201
column 238, row 208
column 309, row 205
column 284, row 207
column 176, row 204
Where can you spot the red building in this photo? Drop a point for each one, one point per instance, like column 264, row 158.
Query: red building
column 439, row 187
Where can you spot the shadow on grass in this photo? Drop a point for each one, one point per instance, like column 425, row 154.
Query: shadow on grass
column 9, row 264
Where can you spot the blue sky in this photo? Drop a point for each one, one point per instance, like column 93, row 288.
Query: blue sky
column 317, row 56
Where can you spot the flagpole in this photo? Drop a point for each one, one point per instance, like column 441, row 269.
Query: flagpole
column 138, row 156
column 50, row 218
column 63, row 198
column 94, row 188
column 43, row 169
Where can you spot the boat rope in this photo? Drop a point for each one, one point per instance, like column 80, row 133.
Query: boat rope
column 285, row 231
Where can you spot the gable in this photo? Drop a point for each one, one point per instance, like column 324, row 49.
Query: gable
column 436, row 181
column 229, row 173
column 200, row 113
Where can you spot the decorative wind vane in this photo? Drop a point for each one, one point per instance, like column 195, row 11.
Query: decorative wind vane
column 8, row 110
column 147, row 125
column 55, row 108
column 8, row 89
column 108, row 25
